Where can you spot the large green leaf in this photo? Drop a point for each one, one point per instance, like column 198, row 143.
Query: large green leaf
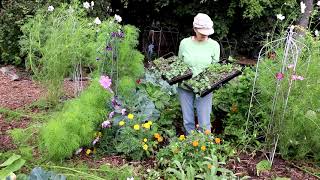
column 38, row 174
column 9, row 161
column 16, row 165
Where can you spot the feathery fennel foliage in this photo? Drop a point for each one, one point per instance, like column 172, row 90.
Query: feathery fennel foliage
column 74, row 126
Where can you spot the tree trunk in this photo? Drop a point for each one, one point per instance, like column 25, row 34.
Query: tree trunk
column 304, row 19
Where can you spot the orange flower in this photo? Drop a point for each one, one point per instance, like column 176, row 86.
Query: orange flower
column 156, row 135
column 234, row 108
column 209, row 166
column 203, row 148
column 207, row 132
column 160, row 139
column 217, row 140
column 195, row 143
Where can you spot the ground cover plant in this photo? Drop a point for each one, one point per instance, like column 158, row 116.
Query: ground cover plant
column 214, row 76
column 173, row 69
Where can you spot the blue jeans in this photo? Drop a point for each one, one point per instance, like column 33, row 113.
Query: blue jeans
column 203, row 105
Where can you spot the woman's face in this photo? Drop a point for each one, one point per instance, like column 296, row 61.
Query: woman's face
column 199, row 36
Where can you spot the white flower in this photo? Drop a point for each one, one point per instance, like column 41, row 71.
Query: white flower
column 303, row 7
column 97, row 21
column 318, row 3
column 92, row 4
column 50, row 8
column 86, row 5
column 316, row 33
column 117, row 18
column 280, row 17
column 79, row 151
column 130, row 178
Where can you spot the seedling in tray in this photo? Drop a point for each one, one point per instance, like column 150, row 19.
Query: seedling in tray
column 173, row 69
column 212, row 78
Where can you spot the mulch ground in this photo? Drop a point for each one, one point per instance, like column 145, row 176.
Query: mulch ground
column 19, row 94
column 280, row 168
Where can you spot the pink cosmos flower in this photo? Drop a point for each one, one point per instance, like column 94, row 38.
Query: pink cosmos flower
column 111, row 114
column 106, row 124
column 106, row 82
column 279, row 76
column 123, row 111
column 291, row 66
column 295, row 77
column 300, row 78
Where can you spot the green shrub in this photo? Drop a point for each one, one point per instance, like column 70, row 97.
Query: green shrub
column 234, row 100
column 74, row 126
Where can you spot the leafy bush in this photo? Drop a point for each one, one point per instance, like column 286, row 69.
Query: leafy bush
column 234, row 99
column 74, row 125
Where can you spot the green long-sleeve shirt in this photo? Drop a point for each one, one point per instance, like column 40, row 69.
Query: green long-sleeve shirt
column 199, row 55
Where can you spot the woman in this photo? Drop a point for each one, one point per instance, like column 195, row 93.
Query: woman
column 198, row 52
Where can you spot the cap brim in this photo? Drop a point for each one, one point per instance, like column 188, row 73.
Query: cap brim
column 206, row 32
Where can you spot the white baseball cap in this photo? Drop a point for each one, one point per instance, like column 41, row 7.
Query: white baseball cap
column 203, row 24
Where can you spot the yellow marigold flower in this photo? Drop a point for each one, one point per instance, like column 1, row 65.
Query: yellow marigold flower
column 160, row 139
column 209, row 166
column 217, row 140
column 130, row 116
column 150, row 122
column 121, row 123
column 195, row 143
column 182, row 137
column 156, row 135
column 88, row 151
column 207, row 132
column 145, row 147
column 146, row 125
column 145, row 140
column 136, row 127
column 203, row 148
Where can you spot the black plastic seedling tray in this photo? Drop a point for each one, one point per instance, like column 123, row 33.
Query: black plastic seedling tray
column 217, row 84
column 178, row 79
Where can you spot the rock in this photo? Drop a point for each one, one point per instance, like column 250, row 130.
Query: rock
column 5, row 70
column 14, row 77
column 10, row 71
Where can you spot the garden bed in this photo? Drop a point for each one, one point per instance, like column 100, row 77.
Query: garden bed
column 173, row 69
column 212, row 78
